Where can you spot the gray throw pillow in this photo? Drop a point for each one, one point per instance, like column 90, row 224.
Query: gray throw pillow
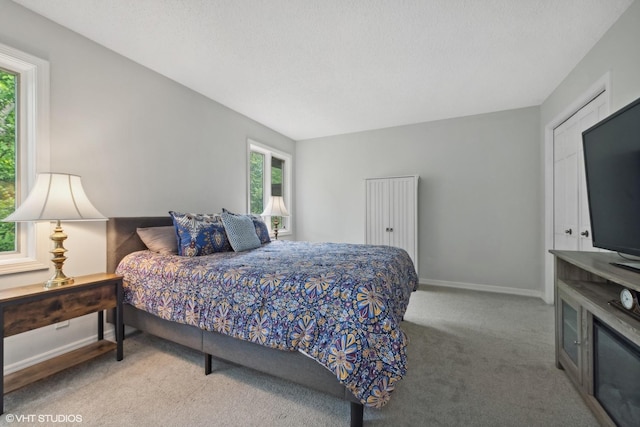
column 240, row 231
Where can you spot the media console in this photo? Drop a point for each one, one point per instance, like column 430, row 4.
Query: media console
column 597, row 344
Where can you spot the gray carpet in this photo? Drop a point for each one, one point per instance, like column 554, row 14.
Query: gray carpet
column 475, row 359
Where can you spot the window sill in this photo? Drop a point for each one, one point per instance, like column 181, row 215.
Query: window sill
column 21, row 265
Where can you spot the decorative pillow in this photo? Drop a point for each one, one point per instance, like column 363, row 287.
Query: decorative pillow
column 199, row 234
column 159, row 239
column 261, row 227
column 240, row 231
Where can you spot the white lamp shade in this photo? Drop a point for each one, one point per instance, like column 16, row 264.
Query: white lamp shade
column 275, row 207
column 56, row 196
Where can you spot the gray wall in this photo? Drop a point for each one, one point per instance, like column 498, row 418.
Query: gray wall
column 617, row 52
column 482, row 177
column 145, row 144
column 479, row 194
column 142, row 143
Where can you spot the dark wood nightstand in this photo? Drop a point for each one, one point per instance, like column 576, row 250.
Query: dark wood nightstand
column 29, row 307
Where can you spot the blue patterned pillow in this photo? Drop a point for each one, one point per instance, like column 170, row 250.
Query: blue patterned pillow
column 240, row 231
column 199, row 234
column 261, row 228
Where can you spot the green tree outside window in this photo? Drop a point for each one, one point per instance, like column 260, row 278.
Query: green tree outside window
column 8, row 83
column 256, row 189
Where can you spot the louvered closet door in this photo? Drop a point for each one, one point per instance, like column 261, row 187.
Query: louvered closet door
column 377, row 212
column 402, row 220
column 391, row 213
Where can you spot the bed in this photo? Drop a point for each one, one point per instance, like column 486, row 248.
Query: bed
column 322, row 315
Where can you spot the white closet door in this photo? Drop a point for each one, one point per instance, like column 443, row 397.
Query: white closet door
column 392, row 213
column 590, row 118
column 572, row 228
column 402, row 218
column 565, row 180
column 377, row 212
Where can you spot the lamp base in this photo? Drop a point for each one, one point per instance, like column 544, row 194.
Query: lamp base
column 59, row 278
column 56, row 281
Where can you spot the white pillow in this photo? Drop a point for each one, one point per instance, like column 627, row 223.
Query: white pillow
column 159, row 239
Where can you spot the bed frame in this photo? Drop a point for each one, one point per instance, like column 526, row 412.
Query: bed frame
column 122, row 239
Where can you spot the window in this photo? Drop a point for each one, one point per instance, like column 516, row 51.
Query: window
column 8, row 104
column 24, row 149
column 269, row 175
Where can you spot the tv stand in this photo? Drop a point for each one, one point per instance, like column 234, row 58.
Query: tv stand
column 585, row 283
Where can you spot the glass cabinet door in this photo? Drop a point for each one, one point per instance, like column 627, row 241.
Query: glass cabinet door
column 570, row 336
column 570, row 341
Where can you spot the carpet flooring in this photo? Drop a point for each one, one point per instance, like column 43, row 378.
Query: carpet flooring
column 475, row 359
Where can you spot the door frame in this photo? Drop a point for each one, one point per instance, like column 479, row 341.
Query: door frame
column 603, row 84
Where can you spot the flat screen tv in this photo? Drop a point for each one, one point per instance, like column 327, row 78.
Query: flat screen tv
column 612, row 167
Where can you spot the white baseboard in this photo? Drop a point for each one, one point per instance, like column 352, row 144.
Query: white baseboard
column 30, row 361
column 482, row 288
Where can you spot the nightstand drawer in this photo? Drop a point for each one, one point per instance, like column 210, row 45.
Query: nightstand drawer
column 24, row 317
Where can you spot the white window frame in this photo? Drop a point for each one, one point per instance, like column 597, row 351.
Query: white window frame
column 285, row 229
column 32, row 152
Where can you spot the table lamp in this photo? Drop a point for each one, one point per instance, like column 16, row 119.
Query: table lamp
column 56, row 197
column 275, row 207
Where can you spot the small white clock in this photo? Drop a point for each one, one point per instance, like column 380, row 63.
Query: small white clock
column 627, row 299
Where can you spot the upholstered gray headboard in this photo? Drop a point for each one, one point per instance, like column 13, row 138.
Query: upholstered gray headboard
column 122, row 238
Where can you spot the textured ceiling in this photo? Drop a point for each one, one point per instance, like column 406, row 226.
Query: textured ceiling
column 312, row 68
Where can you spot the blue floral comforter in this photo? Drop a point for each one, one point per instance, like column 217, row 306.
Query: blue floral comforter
column 339, row 303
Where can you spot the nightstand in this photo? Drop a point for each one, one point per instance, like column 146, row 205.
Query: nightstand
column 29, row 307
